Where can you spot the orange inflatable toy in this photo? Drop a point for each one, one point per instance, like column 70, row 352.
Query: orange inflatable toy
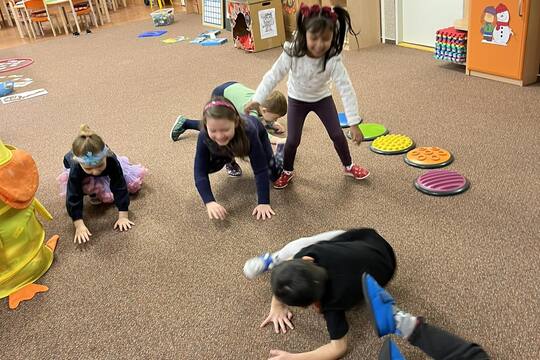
column 24, row 256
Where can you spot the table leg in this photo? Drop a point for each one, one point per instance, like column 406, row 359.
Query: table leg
column 26, row 22
column 5, row 11
column 100, row 13
column 16, row 16
column 106, row 9
column 63, row 16
column 75, row 16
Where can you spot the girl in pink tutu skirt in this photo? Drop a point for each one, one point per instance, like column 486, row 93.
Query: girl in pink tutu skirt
column 92, row 169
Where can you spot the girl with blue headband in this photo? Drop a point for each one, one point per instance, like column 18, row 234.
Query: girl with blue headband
column 91, row 168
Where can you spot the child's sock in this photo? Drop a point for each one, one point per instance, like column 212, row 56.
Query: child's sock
column 350, row 166
column 405, row 323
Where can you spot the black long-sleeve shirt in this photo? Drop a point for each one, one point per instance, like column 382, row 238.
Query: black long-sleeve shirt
column 75, row 194
column 345, row 258
column 260, row 154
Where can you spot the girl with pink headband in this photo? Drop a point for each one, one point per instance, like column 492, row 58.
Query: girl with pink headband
column 226, row 135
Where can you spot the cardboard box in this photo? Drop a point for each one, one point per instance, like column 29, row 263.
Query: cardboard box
column 366, row 19
column 257, row 25
column 342, row 3
column 290, row 9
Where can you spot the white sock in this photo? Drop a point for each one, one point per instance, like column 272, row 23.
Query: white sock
column 405, row 323
column 350, row 166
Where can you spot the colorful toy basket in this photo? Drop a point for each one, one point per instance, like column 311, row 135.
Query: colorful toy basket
column 163, row 17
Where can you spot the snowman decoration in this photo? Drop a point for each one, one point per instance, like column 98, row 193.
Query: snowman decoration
column 502, row 32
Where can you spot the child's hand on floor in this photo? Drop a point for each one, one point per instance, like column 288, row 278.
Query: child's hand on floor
column 123, row 223
column 356, row 134
column 278, row 128
column 82, row 234
column 280, row 316
column 263, row 211
column 280, row 355
column 216, row 211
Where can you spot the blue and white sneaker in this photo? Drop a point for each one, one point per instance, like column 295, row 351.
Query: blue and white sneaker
column 233, row 169
column 381, row 305
column 178, row 128
column 390, row 351
column 388, row 319
column 258, row 265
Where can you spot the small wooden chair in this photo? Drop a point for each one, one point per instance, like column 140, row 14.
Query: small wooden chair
column 84, row 8
column 37, row 13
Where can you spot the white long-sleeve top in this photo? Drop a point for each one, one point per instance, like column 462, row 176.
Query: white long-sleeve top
column 307, row 82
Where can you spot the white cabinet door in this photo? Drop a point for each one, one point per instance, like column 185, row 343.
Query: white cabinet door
column 420, row 19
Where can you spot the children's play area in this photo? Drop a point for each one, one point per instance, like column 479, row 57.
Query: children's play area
column 269, row 179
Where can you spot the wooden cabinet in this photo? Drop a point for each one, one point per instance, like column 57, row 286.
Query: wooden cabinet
column 365, row 18
column 503, row 40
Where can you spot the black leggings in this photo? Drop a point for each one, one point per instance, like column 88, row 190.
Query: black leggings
column 326, row 111
column 441, row 345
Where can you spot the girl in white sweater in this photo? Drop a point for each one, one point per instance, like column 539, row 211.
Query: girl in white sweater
column 312, row 62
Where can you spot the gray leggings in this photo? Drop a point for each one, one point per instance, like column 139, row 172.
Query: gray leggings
column 326, row 111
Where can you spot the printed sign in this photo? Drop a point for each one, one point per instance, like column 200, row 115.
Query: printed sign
column 23, row 96
column 267, row 23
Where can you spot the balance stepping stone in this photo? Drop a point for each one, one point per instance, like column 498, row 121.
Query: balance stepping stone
column 428, row 157
column 371, row 131
column 343, row 120
column 392, row 144
column 441, row 183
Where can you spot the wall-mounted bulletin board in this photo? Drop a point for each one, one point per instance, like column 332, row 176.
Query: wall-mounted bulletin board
column 214, row 13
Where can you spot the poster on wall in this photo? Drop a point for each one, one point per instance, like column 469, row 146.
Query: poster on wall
column 267, row 23
column 496, row 25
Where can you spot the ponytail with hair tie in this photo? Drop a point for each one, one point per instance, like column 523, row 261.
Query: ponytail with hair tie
column 85, row 131
column 88, row 147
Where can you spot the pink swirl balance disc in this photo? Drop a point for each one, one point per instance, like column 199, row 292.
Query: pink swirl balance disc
column 441, row 182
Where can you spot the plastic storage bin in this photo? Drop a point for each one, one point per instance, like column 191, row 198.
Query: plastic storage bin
column 163, row 17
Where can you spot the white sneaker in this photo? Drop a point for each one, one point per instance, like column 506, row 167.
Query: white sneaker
column 258, row 265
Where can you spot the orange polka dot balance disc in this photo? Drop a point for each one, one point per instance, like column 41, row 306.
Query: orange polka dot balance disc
column 428, row 157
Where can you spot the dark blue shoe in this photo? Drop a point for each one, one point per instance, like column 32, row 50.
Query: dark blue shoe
column 390, row 351
column 381, row 305
column 178, row 128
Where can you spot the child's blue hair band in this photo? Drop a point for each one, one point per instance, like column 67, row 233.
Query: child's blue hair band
column 90, row 159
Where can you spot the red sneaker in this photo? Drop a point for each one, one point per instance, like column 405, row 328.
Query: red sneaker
column 356, row 172
column 283, row 180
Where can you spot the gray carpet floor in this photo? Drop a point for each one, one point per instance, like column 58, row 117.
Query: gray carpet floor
column 172, row 288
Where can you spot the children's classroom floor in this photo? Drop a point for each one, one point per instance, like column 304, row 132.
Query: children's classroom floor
column 173, row 288
column 136, row 11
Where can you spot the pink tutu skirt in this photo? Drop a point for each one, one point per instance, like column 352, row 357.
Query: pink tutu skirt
column 99, row 186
